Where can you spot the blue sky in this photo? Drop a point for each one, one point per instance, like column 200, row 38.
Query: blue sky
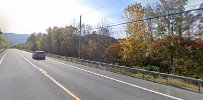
column 112, row 10
column 28, row 16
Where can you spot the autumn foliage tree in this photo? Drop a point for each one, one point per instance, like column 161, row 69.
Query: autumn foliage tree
column 64, row 41
column 187, row 55
column 2, row 40
column 134, row 46
column 114, row 53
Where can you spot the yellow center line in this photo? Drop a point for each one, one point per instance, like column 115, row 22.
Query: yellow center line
column 52, row 79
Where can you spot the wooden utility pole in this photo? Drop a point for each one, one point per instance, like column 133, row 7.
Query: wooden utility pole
column 80, row 36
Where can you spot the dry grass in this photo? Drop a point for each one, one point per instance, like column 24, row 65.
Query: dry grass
column 159, row 79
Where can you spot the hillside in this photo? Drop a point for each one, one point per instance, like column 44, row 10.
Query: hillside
column 14, row 39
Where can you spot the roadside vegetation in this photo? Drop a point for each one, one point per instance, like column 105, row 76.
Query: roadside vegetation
column 3, row 43
column 169, row 44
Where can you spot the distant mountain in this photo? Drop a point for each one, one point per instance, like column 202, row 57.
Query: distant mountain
column 14, row 39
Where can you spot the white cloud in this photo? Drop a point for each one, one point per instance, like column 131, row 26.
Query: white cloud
column 27, row 16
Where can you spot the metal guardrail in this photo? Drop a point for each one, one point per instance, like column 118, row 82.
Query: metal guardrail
column 144, row 74
column 105, row 66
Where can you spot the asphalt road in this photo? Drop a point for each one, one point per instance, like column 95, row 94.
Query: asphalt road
column 22, row 78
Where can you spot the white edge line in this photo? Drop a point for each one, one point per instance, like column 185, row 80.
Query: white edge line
column 3, row 57
column 156, row 92
column 52, row 79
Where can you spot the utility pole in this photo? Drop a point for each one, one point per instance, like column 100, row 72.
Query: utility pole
column 172, row 51
column 80, row 36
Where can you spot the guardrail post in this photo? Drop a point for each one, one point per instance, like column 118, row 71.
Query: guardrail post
column 106, row 66
column 199, row 86
column 90, row 64
column 143, row 75
column 81, row 61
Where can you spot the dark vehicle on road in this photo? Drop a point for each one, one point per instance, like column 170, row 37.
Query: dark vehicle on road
column 38, row 55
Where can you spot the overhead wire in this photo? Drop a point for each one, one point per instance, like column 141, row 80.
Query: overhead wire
column 118, row 24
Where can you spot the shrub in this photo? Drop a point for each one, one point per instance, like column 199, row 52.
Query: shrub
column 113, row 53
column 179, row 55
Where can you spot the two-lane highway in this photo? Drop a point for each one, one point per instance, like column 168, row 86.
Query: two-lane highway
column 21, row 81
column 23, row 78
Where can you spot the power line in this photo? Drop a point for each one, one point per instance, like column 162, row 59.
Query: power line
column 114, row 15
column 118, row 24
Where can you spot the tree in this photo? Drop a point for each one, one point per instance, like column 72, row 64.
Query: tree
column 200, row 21
column 2, row 40
column 114, row 53
column 1, row 31
column 64, row 41
column 94, row 46
column 179, row 22
column 69, row 43
column 134, row 46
